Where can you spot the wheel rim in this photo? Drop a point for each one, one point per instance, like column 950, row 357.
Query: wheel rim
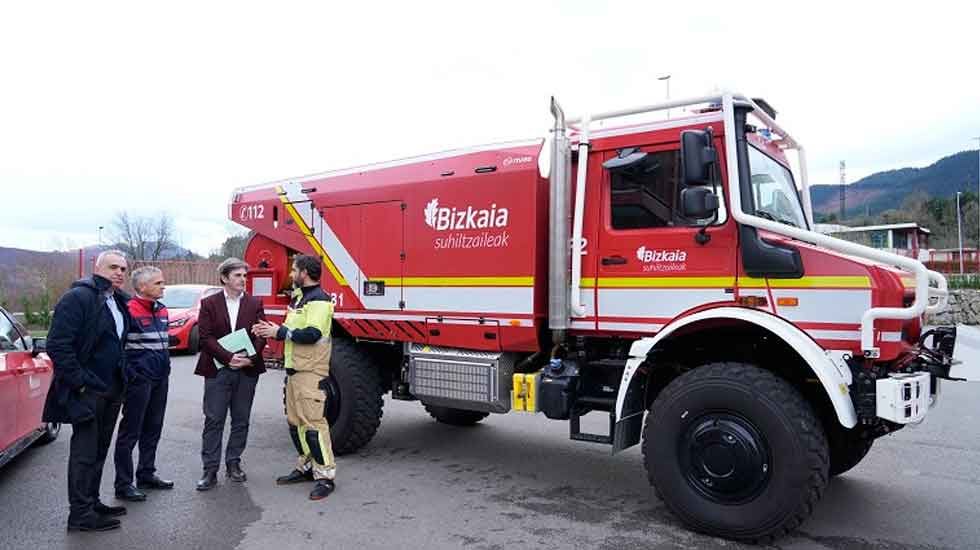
column 331, row 408
column 52, row 429
column 725, row 458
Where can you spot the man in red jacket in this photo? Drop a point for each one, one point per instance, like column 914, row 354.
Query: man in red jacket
column 146, row 373
column 229, row 378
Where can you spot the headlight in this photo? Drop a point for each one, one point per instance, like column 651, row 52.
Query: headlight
column 178, row 323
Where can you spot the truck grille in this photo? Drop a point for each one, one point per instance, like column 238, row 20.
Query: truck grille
column 454, row 380
column 460, row 378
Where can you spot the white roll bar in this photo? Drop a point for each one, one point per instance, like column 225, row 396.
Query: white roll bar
column 576, row 306
column 923, row 291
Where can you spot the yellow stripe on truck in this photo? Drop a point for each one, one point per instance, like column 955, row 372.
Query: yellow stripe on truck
column 751, row 282
column 817, row 281
column 298, row 220
column 820, row 281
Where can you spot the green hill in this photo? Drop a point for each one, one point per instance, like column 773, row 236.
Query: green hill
column 887, row 190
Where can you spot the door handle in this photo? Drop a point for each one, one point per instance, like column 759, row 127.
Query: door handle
column 613, row 260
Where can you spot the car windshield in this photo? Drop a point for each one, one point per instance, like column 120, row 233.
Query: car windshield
column 773, row 191
column 180, row 298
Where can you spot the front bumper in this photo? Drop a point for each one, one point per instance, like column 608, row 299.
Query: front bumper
column 904, row 398
column 904, row 391
column 180, row 336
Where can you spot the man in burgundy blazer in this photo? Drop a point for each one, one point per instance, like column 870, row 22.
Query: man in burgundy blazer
column 232, row 386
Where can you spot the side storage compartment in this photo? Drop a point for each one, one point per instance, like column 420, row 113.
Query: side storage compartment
column 462, row 379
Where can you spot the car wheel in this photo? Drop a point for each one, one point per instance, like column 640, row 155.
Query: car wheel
column 194, row 341
column 51, row 431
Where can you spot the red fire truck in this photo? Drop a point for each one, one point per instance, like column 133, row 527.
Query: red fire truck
column 650, row 268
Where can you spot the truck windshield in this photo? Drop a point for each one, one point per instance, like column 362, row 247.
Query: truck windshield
column 773, row 190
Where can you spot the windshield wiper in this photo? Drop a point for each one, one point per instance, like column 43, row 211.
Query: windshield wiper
column 769, row 216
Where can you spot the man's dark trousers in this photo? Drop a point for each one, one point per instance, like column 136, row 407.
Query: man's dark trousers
column 229, row 389
column 89, row 447
column 143, row 412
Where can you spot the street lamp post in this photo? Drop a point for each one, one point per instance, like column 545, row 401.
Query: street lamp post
column 959, row 227
column 666, row 79
column 100, row 235
column 977, row 139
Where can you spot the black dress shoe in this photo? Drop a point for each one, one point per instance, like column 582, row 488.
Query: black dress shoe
column 234, row 472
column 111, row 511
column 322, row 489
column 94, row 523
column 130, row 493
column 154, row 483
column 295, row 476
column 207, row 481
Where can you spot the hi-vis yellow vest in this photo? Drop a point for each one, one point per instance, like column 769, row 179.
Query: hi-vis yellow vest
column 309, row 357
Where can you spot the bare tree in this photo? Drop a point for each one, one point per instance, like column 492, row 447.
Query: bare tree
column 142, row 237
column 233, row 247
column 163, row 236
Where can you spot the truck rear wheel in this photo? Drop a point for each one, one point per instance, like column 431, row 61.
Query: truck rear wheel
column 734, row 451
column 456, row 417
column 354, row 405
column 847, row 448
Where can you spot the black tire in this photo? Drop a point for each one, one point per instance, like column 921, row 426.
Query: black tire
column 456, row 417
column 354, row 405
column 194, row 341
column 51, row 431
column 736, row 452
column 847, row 448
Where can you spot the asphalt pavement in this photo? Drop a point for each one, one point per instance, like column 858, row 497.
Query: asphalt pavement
column 514, row 481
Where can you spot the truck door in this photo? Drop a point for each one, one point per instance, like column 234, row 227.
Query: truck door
column 364, row 245
column 650, row 265
column 382, row 260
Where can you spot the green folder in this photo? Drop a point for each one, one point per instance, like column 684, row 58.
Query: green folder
column 235, row 342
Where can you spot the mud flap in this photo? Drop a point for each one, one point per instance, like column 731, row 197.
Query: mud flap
column 627, row 432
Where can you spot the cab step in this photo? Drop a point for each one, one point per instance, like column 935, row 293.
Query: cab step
column 575, row 430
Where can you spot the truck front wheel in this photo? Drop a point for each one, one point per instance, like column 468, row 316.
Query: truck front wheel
column 735, row 451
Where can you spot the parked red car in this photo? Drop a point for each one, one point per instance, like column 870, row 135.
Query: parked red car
column 183, row 303
column 25, row 375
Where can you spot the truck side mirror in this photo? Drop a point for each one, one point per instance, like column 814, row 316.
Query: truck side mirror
column 38, row 346
column 698, row 203
column 697, row 157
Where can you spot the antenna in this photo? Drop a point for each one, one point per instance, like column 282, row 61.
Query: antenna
column 843, row 181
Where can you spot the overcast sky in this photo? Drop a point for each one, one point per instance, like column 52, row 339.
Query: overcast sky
column 167, row 106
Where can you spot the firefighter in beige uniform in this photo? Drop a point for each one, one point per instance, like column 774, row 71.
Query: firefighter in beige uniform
column 307, row 362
